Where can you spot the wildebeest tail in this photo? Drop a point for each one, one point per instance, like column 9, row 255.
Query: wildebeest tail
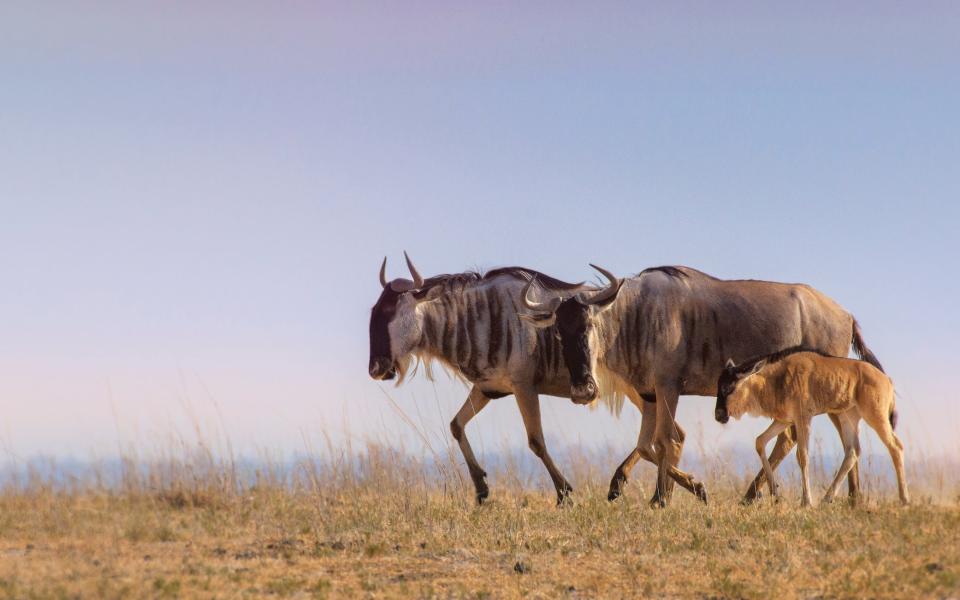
column 863, row 353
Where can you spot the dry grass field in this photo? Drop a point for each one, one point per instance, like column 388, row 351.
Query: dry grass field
column 384, row 525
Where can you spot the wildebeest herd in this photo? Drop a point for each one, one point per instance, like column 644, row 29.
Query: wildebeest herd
column 764, row 348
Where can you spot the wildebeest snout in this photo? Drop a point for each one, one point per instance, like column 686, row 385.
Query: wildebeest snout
column 584, row 393
column 382, row 368
column 721, row 415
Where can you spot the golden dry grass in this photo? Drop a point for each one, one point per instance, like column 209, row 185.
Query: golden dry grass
column 383, row 525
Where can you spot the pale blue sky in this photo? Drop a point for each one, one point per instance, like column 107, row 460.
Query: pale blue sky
column 195, row 201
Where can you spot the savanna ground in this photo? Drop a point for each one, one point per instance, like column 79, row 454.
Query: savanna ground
column 380, row 524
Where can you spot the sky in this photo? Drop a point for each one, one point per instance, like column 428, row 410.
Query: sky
column 195, row 200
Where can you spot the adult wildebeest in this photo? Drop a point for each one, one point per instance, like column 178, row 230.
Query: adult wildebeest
column 793, row 386
column 669, row 330
column 470, row 324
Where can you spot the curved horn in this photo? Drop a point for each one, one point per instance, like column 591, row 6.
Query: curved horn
column 417, row 279
column 606, row 293
column 383, row 273
column 546, row 307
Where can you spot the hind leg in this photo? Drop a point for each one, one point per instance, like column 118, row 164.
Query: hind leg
column 881, row 424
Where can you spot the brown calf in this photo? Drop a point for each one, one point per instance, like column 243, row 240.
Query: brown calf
column 793, row 386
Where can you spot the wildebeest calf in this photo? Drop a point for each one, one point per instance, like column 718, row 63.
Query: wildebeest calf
column 794, row 385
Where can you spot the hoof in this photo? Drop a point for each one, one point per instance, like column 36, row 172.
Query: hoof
column 563, row 497
column 482, row 495
column 616, row 487
column 753, row 494
column 658, row 501
column 700, row 492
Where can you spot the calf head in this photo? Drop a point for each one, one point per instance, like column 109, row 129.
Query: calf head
column 730, row 377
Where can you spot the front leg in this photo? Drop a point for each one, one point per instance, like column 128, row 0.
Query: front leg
column 668, row 440
column 529, row 404
column 853, row 476
column 785, row 443
column 803, row 444
column 645, row 450
column 476, row 401
column 762, row 440
column 849, row 425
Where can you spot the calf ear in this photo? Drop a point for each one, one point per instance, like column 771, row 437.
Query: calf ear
column 730, row 364
column 539, row 320
column 760, row 364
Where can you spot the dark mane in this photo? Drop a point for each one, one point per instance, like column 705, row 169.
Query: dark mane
column 666, row 270
column 453, row 280
column 544, row 281
column 776, row 357
column 450, row 279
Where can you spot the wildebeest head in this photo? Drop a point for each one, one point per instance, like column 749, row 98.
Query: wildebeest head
column 727, row 385
column 394, row 330
column 575, row 318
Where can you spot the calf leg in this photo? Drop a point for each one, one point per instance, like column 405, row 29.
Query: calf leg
column 529, row 404
column 785, row 443
column 782, row 448
column 853, row 477
column 762, row 440
column 881, row 424
column 848, row 435
column 474, row 404
column 803, row 445
column 895, row 447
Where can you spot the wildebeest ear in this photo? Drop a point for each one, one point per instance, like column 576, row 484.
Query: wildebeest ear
column 539, row 320
column 730, row 364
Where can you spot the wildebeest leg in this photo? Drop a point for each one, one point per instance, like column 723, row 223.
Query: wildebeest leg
column 529, row 404
column 878, row 418
column 645, row 450
column 762, row 440
column 853, row 477
column 474, row 404
column 620, row 475
column 848, row 434
column 669, row 440
column 785, row 443
column 803, row 445
column 881, row 424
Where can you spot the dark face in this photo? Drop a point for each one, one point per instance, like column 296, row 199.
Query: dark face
column 573, row 324
column 382, row 365
column 725, row 386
